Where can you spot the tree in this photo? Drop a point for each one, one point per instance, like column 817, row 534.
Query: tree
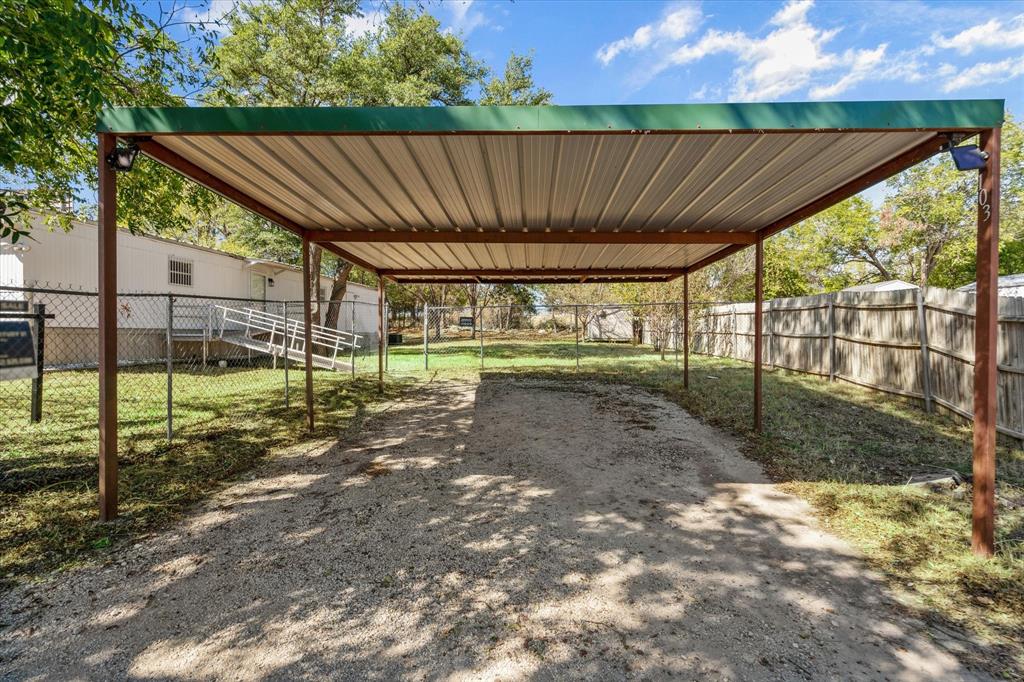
column 929, row 210
column 940, row 233
column 60, row 62
column 302, row 53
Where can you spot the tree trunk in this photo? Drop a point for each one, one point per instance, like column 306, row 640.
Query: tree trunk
column 338, row 288
column 316, row 255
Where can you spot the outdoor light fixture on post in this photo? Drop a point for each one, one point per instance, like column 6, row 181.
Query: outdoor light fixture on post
column 123, row 158
column 967, row 157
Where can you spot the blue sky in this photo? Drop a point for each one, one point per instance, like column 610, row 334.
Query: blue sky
column 652, row 52
column 647, row 52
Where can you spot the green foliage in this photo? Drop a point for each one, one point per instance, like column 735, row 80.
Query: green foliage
column 931, row 216
column 303, row 53
column 11, row 206
column 247, row 234
column 53, row 60
column 285, row 54
column 516, row 86
column 60, row 62
column 410, row 61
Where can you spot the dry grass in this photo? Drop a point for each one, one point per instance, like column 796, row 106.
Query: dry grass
column 226, row 424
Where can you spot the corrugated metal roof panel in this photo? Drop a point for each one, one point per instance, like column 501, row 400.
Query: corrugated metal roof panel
column 583, row 182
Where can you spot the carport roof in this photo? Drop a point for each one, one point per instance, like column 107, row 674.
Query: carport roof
column 578, row 193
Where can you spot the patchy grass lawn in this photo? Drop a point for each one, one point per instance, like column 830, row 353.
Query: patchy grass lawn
column 850, row 451
column 226, row 421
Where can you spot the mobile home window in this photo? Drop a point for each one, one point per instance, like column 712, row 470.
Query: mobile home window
column 179, row 272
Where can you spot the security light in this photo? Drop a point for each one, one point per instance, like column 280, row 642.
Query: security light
column 122, row 158
column 967, row 157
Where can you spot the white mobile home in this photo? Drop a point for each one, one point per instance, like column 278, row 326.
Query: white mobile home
column 40, row 269
column 154, row 265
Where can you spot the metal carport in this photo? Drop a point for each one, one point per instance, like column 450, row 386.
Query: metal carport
column 553, row 194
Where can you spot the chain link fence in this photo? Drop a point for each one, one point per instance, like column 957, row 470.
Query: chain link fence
column 188, row 365
column 184, row 362
column 451, row 337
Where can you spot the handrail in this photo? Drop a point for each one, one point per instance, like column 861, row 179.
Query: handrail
column 275, row 320
column 249, row 320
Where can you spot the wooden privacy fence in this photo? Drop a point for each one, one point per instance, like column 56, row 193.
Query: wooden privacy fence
column 914, row 343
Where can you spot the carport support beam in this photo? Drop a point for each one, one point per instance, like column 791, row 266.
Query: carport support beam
column 686, row 330
column 758, row 327
column 107, row 330
column 380, row 334
column 307, row 332
column 985, row 350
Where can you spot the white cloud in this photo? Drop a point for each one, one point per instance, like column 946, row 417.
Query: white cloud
column 794, row 12
column 794, row 55
column 984, row 73
column 465, row 18
column 706, row 92
column 782, row 62
column 993, row 34
column 679, row 21
column 862, row 65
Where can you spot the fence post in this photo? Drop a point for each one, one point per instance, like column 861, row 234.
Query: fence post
column 926, row 380
column 207, row 333
column 735, row 334
column 170, row 367
column 480, row 314
column 831, row 337
column 352, row 350
column 771, row 333
column 576, row 327
column 426, row 343
column 39, row 309
column 675, row 331
column 286, row 344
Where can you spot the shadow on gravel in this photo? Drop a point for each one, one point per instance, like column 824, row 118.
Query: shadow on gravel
column 503, row 530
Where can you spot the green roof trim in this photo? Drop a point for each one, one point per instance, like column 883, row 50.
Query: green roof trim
column 900, row 115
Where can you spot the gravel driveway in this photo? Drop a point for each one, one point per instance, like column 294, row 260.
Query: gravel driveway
column 508, row 529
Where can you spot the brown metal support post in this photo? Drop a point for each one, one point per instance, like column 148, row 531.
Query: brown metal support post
column 985, row 350
column 307, row 318
column 686, row 330
column 380, row 334
column 107, row 233
column 758, row 331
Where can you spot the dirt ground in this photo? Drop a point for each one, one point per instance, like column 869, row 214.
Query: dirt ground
column 503, row 530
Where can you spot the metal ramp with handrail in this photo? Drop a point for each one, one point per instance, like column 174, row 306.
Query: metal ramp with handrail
column 278, row 336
